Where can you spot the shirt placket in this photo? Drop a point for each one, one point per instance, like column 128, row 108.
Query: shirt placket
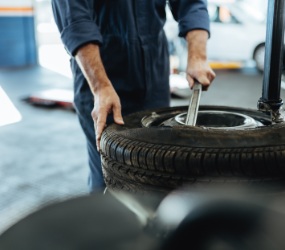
column 141, row 21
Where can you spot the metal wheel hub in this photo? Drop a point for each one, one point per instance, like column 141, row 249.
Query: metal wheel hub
column 214, row 119
column 220, row 120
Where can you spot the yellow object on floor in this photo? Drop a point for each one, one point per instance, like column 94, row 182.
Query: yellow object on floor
column 226, row 65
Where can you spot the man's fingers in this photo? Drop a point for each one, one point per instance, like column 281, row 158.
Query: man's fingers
column 190, row 81
column 98, row 136
column 118, row 115
column 100, row 124
column 205, row 82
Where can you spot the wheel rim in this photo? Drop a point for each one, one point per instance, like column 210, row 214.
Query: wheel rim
column 214, row 119
column 220, row 120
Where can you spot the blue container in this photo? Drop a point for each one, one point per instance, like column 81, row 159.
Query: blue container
column 17, row 41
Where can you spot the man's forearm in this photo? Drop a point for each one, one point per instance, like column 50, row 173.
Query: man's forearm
column 89, row 60
column 197, row 44
column 198, row 68
column 106, row 100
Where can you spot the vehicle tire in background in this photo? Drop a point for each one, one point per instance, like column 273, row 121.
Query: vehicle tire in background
column 258, row 57
column 147, row 155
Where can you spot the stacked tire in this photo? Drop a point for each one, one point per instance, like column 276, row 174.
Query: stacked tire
column 156, row 158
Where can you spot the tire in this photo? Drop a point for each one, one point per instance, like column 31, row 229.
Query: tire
column 221, row 223
column 258, row 57
column 163, row 158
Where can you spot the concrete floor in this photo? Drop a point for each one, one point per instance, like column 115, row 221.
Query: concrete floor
column 43, row 157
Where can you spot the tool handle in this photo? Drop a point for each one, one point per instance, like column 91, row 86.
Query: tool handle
column 192, row 113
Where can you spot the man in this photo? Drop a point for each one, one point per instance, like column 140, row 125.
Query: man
column 120, row 60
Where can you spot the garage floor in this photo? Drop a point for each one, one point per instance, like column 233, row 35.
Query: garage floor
column 43, row 157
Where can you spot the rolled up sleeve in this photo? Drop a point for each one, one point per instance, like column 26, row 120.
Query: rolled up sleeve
column 75, row 21
column 190, row 15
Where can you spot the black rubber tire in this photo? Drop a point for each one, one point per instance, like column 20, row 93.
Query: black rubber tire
column 136, row 158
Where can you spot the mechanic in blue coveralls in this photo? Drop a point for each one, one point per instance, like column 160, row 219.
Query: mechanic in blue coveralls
column 120, row 59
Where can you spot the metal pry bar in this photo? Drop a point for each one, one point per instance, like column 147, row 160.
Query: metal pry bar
column 194, row 105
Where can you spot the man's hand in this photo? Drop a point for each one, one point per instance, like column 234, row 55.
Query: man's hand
column 197, row 67
column 106, row 100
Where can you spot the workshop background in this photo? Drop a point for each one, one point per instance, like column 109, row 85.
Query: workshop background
column 43, row 156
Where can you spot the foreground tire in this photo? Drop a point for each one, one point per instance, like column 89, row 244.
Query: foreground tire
column 148, row 154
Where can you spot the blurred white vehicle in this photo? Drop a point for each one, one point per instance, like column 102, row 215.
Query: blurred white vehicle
column 238, row 32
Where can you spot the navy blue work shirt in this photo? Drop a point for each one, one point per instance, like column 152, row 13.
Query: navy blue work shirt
column 133, row 45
